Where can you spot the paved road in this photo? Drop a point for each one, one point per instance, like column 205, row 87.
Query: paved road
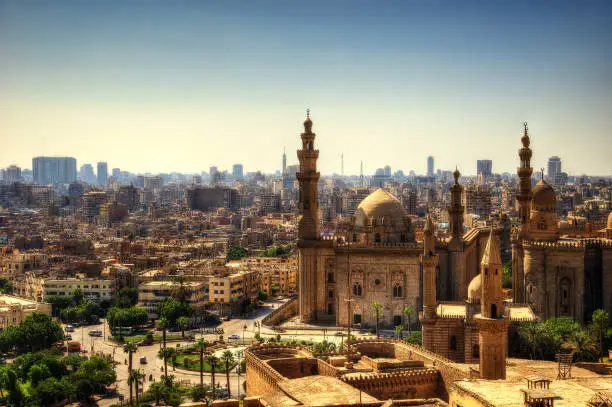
column 154, row 365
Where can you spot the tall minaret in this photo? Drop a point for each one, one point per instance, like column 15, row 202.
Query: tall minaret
column 524, row 194
column 523, row 198
column 429, row 260
column 311, row 299
column 308, row 178
column 492, row 323
column 455, row 212
column 284, row 162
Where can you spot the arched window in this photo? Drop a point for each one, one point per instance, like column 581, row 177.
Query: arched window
column 357, row 289
column 565, row 295
column 377, row 238
column 476, row 351
column 354, row 237
column 453, row 342
column 397, row 290
column 330, row 277
column 493, row 311
column 330, row 295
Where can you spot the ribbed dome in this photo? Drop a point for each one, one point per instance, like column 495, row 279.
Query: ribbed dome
column 544, row 197
column 610, row 221
column 382, row 207
column 475, row 289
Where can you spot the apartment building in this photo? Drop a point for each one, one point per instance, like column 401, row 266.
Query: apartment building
column 13, row 310
column 231, row 293
column 152, row 293
column 38, row 287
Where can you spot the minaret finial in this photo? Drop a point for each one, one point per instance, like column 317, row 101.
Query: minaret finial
column 308, row 113
column 542, row 174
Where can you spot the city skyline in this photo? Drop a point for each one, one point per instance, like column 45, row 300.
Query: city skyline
column 180, row 88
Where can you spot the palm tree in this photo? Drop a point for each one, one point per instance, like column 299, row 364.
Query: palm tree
column 165, row 354
column 377, row 307
column 584, row 345
column 130, row 348
column 201, row 346
column 601, row 320
column 182, row 323
column 228, row 359
column 530, row 333
column 135, row 377
column 408, row 312
column 157, row 391
column 163, row 325
column 213, row 361
column 399, row 330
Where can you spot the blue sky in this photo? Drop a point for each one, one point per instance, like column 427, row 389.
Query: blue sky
column 160, row 86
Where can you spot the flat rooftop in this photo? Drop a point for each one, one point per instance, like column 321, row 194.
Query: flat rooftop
column 323, row 391
column 9, row 299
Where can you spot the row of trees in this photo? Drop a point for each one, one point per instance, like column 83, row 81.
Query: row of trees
column 408, row 312
column 36, row 332
column 133, row 316
column 50, row 377
column 543, row 339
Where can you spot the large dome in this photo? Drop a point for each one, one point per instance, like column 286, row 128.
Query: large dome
column 475, row 289
column 380, row 208
column 544, row 197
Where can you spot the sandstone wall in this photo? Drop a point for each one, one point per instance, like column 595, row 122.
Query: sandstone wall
column 282, row 313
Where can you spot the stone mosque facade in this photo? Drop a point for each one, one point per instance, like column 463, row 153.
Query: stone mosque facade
column 377, row 258
column 555, row 274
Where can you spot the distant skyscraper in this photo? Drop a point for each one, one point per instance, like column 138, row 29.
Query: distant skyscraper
column 237, row 171
column 430, row 166
column 484, row 167
column 52, row 170
column 214, row 174
column 284, row 161
column 554, row 167
column 86, row 174
column 12, row 174
column 102, row 173
column 116, row 172
column 387, row 171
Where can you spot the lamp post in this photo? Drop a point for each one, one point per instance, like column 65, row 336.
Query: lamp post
column 243, row 338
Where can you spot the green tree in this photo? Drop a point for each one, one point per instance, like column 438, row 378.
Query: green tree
column 236, row 253
column 58, row 303
column 378, row 308
column 127, row 297
column 130, row 348
column 163, row 325
column 399, row 329
column 77, row 296
column 409, row 312
column 5, row 286
column 38, row 373
column 262, row 296
column 92, row 377
column 183, row 323
column 530, row 333
column 200, row 393
column 135, row 377
column 36, row 332
column 213, row 361
column 585, row 346
column 156, row 391
column 507, row 275
column 229, row 360
column 172, row 309
column 601, row 321
column 51, row 391
column 201, row 346
column 165, row 354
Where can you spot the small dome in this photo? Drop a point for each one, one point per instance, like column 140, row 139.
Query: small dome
column 475, row 289
column 382, row 207
column 610, row 221
column 544, row 197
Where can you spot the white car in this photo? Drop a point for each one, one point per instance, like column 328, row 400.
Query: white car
column 234, row 336
column 96, row 332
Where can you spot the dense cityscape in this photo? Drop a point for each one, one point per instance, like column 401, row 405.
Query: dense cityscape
column 323, row 204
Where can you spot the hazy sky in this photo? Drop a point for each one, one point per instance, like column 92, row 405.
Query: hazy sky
column 181, row 85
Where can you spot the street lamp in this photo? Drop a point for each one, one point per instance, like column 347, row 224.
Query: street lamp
column 243, row 338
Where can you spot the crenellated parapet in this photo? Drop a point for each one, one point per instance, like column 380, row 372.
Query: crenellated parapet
column 407, row 377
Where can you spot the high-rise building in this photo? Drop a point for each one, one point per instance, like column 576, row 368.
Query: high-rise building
column 86, row 174
column 484, row 167
column 237, row 171
column 102, row 173
column 284, row 161
column 91, row 204
column 54, row 170
column 116, row 172
column 387, row 170
column 554, row 167
column 12, row 174
column 430, row 166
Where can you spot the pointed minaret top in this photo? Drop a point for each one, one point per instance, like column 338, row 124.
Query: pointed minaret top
column 307, row 122
column 492, row 254
column 456, row 174
column 525, row 138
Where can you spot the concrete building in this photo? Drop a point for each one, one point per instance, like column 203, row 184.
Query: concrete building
column 554, row 167
column 230, row 294
column 484, row 167
column 16, row 264
column 152, row 293
column 102, row 173
column 208, row 198
column 237, row 171
column 430, row 166
column 13, row 174
column 91, row 205
column 38, row 288
column 14, row 310
column 86, row 174
column 54, row 170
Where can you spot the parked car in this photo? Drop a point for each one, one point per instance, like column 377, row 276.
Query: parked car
column 95, row 332
column 68, row 337
column 69, row 328
column 234, row 336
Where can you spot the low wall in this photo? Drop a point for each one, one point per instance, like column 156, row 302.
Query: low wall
column 284, row 312
column 397, row 385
